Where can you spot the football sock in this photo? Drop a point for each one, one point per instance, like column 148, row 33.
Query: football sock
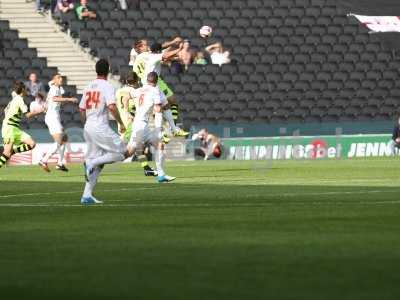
column 61, row 157
column 175, row 111
column 89, row 187
column 108, row 158
column 22, row 148
column 160, row 162
column 170, row 119
column 53, row 149
column 3, row 160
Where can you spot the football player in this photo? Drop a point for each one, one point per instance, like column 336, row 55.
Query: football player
column 210, row 145
column 15, row 140
column 127, row 109
column 148, row 100
column 53, row 121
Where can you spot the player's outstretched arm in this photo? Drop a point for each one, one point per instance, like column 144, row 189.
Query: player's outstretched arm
column 175, row 41
column 170, row 54
column 65, row 99
column 212, row 47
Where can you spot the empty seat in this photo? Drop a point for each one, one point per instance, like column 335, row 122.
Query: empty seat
column 283, row 53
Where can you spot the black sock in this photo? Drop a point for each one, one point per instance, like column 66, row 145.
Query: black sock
column 175, row 111
column 3, row 160
column 22, row 148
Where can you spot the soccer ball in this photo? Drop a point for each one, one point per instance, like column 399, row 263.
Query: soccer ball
column 217, row 151
column 205, row 31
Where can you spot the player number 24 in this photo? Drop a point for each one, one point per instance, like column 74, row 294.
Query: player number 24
column 92, row 99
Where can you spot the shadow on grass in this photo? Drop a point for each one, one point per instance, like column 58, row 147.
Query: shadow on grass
column 34, row 191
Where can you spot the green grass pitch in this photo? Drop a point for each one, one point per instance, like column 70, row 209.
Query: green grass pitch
column 223, row 230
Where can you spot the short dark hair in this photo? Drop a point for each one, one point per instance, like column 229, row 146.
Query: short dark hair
column 156, row 47
column 102, row 67
column 138, row 44
column 132, row 78
column 18, row 87
column 152, row 77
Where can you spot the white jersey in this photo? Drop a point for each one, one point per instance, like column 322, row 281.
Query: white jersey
column 145, row 98
column 96, row 98
column 53, row 107
column 153, row 63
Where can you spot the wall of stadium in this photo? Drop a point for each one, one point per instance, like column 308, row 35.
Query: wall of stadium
column 274, row 148
column 306, row 147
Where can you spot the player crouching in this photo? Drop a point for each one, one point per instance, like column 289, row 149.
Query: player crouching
column 15, row 140
column 210, row 145
column 148, row 100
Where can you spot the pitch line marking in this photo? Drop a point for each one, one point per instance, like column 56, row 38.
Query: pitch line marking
column 186, row 205
column 71, row 192
column 265, row 196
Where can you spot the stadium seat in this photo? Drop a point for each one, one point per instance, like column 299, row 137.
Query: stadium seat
column 289, row 52
column 133, row 14
column 107, row 5
column 190, row 4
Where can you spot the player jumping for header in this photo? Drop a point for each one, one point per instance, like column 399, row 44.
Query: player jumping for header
column 149, row 60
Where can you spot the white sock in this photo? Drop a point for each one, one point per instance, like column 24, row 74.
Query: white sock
column 108, row 158
column 61, row 157
column 87, row 192
column 52, row 150
column 89, row 187
column 160, row 159
column 170, row 119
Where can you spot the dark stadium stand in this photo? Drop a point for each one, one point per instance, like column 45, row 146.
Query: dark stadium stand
column 295, row 61
column 17, row 61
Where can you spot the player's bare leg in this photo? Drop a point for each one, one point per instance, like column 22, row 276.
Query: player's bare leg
column 58, row 146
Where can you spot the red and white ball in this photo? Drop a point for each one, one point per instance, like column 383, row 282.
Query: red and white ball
column 205, row 31
column 217, row 151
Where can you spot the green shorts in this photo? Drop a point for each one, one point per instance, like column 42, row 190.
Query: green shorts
column 13, row 135
column 165, row 88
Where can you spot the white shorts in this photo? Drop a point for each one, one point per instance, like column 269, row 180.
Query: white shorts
column 54, row 124
column 102, row 140
column 141, row 136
